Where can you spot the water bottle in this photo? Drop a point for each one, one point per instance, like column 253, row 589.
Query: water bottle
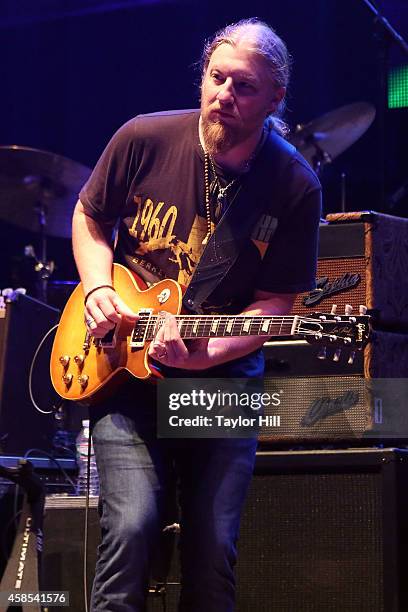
column 82, row 462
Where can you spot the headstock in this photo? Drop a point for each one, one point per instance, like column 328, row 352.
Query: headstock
column 337, row 331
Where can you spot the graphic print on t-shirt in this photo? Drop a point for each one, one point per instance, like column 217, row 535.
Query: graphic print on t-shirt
column 263, row 232
column 153, row 228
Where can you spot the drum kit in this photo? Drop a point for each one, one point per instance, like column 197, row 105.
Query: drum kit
column 39, row 189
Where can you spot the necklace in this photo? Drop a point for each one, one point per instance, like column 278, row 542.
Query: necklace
column 210, row 225
column 222, row 191
column 221, row 196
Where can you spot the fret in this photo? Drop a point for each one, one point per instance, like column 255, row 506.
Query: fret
column 222, row 324
column 187, row 327
column 237, row 327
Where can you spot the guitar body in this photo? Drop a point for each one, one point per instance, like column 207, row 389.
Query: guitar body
column 98, row 365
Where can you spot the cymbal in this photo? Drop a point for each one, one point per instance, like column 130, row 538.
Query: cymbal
column 29, row 179
column 326, row 137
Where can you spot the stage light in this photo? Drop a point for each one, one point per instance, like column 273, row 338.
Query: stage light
column 398, row 87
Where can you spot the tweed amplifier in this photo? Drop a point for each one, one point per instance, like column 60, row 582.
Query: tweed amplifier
column 326, row 401
column 363, row 259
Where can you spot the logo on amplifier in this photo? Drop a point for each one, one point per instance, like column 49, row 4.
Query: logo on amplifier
column 325, row 406
column 326, row 288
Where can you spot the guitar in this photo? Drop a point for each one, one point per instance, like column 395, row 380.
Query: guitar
column 83, row 367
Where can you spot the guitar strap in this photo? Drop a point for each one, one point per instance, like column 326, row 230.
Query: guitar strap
column 237, row 223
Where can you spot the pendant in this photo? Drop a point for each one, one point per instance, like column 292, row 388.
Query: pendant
column 219, row 205
column 221, row 197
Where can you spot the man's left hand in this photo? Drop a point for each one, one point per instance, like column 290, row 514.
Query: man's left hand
column 168, row 347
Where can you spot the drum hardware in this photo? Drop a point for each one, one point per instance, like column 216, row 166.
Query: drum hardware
column 323, row 139
column 38, row 192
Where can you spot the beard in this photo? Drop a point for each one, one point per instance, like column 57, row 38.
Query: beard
column 218, row 138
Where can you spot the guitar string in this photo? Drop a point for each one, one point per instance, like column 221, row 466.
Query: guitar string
column 239, row 319
column 193, row 326
column 208, row 332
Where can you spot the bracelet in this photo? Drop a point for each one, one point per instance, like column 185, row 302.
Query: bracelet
column 96, row 289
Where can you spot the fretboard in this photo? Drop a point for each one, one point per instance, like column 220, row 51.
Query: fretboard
column 221, row 326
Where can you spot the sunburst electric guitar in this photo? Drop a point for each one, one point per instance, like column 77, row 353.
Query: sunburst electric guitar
column 84, row 368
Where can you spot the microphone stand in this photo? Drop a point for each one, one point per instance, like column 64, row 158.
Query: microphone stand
column 387, row 27
column 385, row 35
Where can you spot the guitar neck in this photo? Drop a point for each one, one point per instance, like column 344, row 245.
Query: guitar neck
column 221, row 326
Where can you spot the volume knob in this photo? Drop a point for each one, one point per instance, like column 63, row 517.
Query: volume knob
column 67, row 379
column 83, row 380
column 64, row 360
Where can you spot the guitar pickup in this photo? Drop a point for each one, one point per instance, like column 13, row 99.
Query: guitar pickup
column 141, row 329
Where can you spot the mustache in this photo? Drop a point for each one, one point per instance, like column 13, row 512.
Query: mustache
column 220, row 110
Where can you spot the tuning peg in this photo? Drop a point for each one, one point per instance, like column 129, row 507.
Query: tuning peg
column 322, row 353
column 348, row 309
column 333, row 309
column 351, row 358
column 337, row 354
column 362, row 309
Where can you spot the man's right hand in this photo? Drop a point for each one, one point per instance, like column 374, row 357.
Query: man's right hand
column 103, row 310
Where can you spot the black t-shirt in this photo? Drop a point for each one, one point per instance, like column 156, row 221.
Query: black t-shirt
column 150, row 178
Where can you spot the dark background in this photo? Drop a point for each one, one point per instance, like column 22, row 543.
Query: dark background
column 72, row 72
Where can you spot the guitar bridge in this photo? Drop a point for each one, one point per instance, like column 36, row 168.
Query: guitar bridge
column 140, row 331
column 109, row 339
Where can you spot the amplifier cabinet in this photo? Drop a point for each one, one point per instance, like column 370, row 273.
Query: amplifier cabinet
column 63, row 555
column 322, row 401
column 23, row 325
column 325, row 531
column 363, row 259
column 63, row 547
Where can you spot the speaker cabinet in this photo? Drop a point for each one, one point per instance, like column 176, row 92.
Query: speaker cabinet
column 63, row 550
column 363, row 259
column 23, row 325
column 325, row 531
column 63, row 555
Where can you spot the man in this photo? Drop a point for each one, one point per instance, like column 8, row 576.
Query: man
column 168, row 179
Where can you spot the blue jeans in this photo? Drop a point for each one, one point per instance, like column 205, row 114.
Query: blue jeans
column 137, row 473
